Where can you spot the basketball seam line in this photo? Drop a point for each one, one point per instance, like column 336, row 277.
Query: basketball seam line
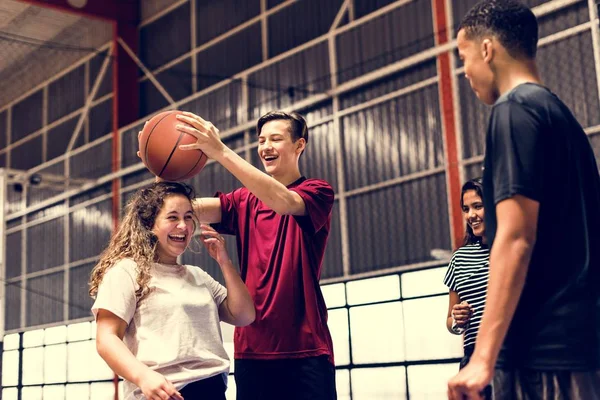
column 150, row 134
column 191, row 169
column 172, row 151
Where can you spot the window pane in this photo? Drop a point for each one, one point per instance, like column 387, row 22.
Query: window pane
column 338, row 326
column 427, row 338
column 342, row 384
column 377, row 333
column 10, row 368
column 33, row 338
column 422, row 283
column 102, row 391
column 430, row 381
column 55, row 363
column 54, row 392
column 31, row 393
column 121, row 392
column 55, row 335
column 227, row 333
column 231, row 392
column 335, row 295
column 33, row 366
column 378, row 383
column 230, row 352
column 10, row 394
column 78, row 356
column 11, row 342
column 374, row 289
column 78, row 391
column 81, row 331
column 93, row 329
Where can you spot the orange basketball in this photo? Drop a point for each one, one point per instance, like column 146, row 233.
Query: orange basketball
column 159, row 149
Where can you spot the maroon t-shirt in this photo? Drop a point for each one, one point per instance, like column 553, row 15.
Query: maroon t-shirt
column 280, row 260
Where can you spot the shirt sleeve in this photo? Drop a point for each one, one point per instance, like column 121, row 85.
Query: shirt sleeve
column 218, row 291
column 229, row 213
column 318, row 199
column 116, row 292
column 516, row 151
column 450, row 278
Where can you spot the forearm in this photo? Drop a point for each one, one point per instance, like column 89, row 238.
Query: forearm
column 271, row 192
column 119, row 358
column 239, row 302
column 207, row 209
column 509, row 262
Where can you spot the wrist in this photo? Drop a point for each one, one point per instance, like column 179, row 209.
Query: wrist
column 137, row 375
column 456, row 328
column 218, row 152
column 482, row 356
column 225, row 261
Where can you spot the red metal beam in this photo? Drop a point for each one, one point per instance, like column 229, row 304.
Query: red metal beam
column 110, row 10
column 125, row 80
column 446, row 93
column 125, row 99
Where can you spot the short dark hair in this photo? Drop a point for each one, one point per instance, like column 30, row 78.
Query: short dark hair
column 511, row 22
column 475, row 184
column 298, row 126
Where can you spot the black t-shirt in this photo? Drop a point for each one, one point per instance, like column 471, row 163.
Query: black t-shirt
column 536, row 148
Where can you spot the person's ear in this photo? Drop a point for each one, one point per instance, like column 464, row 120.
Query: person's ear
column 300, row 145
column 487, row 50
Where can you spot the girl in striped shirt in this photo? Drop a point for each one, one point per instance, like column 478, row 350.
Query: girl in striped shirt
column 468, row 271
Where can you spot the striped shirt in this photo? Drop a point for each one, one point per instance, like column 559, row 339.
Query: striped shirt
column 467, row 275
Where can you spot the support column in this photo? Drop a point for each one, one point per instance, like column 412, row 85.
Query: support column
column 125, row 99
column 125, row 75
column 446, row 86
column 3, row 180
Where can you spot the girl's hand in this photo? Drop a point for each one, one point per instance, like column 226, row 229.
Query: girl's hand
column 214, row 243
column 154, row 386
column 461, row 313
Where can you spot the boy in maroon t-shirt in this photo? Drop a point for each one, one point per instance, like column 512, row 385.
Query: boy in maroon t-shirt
column 281, row 222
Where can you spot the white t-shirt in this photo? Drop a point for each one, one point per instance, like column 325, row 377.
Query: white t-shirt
column 175, row 330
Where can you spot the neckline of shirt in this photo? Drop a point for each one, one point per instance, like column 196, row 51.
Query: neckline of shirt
column 176, row 269
column 506, row 95
column 297, row 182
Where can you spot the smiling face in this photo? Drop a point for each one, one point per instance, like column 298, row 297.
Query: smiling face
column 278, row 153
column 473, row 212
column 174, row 226
column 476, row 56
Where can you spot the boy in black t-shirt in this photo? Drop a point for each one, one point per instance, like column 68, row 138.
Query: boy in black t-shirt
column 538, row 336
